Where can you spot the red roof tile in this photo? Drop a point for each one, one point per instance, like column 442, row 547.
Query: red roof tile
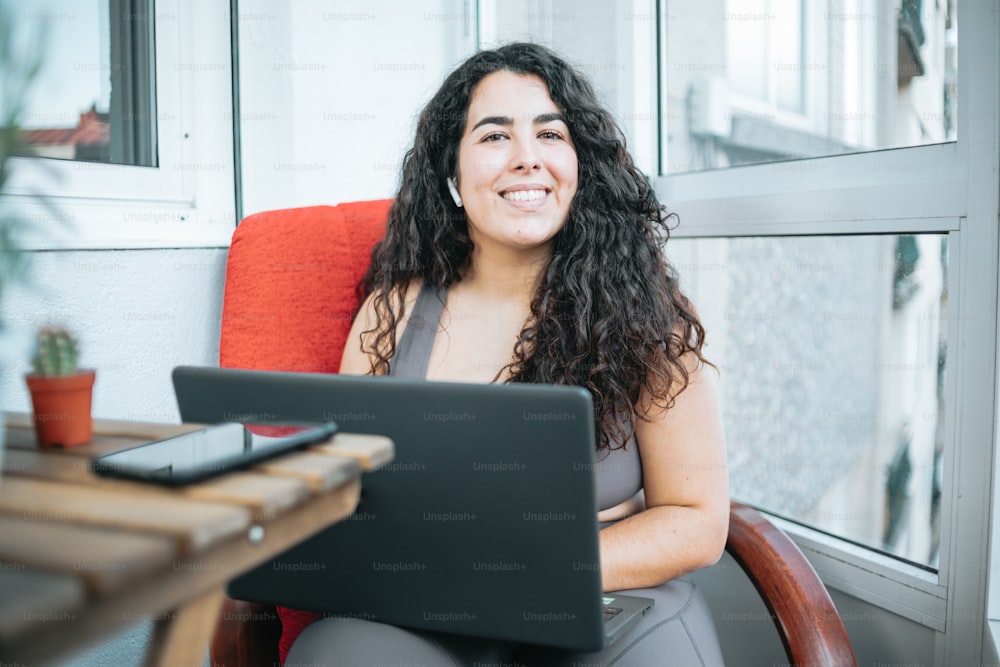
column 93, row 128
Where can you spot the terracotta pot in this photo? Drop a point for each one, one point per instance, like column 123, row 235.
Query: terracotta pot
column 61, row 408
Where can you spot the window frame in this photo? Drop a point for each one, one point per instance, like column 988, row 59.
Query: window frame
column 189, row 200
column 952, row 188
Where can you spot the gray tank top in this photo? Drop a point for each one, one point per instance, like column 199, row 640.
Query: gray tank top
column 618, row 471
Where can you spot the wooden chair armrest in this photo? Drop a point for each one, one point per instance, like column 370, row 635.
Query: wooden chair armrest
column 805, row 616
column 246, row 635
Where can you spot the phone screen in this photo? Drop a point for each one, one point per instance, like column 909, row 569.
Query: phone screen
column 210, row 451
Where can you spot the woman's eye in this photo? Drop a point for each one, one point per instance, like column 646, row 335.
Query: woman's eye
column 550, row 134
column 494, row 136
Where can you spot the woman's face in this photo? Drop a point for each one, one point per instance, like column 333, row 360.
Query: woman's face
column 517, row 167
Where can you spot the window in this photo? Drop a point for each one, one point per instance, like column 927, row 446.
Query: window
column 771, row 80
column 130, row 129
column 870, row 307
column 98, row 82
column 832, row 351
column 899, row 129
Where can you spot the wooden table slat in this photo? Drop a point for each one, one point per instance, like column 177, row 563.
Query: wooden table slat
column 49, row 465
column 322, row 472
column 194, row 524
column 109, row 434
column 105, row 559
column 264, row 495
column 370, row 451
column 83, row 453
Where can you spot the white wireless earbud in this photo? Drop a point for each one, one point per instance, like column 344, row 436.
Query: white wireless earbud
column 453, row 189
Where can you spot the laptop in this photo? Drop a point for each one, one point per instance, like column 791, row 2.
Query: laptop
column 484, row 524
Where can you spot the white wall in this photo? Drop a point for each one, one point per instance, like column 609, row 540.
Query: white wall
column 136, row 313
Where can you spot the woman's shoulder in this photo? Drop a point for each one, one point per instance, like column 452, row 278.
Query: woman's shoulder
column 368, row 313
column 370, row 320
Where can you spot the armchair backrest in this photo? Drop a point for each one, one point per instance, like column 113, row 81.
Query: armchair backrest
column 291, row 279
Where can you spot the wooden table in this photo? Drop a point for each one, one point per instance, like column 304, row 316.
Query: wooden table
column 82, row 557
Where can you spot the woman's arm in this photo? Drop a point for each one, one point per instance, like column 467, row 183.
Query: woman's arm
column 686, row 484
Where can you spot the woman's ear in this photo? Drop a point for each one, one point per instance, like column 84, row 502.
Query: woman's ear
column 453, row 189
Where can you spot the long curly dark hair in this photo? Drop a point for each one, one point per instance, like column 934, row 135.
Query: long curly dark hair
column 608, row 314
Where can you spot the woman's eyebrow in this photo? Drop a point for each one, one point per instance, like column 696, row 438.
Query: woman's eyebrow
column 507, row 120
column 549, row 117
column 495, row 120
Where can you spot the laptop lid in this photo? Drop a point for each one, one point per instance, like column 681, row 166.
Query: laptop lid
column 484, row 524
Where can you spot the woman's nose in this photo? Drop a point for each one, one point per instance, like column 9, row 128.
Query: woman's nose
column 525, row 156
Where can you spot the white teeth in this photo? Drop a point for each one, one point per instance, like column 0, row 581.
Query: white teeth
column 524, row 195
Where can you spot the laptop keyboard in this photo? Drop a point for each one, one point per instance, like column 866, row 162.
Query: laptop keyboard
column 610, row 612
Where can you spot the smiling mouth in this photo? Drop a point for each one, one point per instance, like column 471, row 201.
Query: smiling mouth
column 524, row 195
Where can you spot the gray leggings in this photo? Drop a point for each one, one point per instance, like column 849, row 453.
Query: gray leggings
column 677, row 632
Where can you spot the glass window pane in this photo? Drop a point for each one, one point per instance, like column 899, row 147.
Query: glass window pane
column 788, row 62
column 755, row 81
column 746, row 62
column 831, row 351
column 94, row 98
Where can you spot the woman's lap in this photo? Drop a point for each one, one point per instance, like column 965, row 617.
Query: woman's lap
column 358, row 643
column 676, row 632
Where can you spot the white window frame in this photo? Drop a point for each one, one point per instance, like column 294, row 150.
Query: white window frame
column 950, row 188
column 189, row 200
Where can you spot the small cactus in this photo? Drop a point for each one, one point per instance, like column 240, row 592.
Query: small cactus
column 56, row 353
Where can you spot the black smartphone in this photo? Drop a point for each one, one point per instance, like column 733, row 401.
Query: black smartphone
column 209, row 452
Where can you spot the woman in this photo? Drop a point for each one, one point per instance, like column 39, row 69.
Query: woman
column 524, row 246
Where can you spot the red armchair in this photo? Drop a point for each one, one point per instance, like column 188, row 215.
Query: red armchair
column 289, row 300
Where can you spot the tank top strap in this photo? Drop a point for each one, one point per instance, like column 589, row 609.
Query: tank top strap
column 413, row 350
